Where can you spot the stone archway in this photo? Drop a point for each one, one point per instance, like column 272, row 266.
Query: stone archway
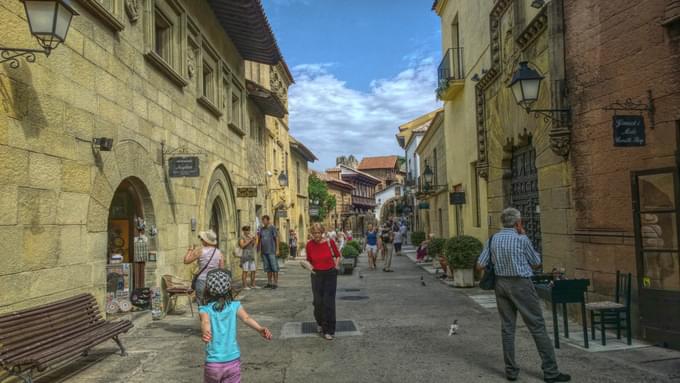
column 218, row 208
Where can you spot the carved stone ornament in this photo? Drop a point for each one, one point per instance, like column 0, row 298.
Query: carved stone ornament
column 560, row 141
column 132, row 10
column 191, row 63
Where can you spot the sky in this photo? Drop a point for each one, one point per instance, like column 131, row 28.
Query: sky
column 361, row 69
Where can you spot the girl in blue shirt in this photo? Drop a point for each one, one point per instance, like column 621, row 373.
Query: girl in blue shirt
column 218, row 326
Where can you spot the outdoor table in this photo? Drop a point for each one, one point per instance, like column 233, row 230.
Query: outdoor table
column 563, row 291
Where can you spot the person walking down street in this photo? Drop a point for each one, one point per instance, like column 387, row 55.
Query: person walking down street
column 324, row 256
column 403, row 228
column 340, row 239
column 385, row 232
column 209, row 258
column 398, row 236
column 514, row 259
column 268, row 244
column 293, row 243
column 387, row 244
column 218, row 329
column 247, row 243
column 371, row 246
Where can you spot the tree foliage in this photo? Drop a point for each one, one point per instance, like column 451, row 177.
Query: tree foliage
column 318, row 190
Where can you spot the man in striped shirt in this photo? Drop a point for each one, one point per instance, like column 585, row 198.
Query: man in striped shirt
column 514, row 260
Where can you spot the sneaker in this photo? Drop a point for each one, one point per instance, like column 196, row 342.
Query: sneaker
column 328, row 336
column 256, row 287
column 559, row 378
column 246, row 288
column 274, row 287
column 267, row 286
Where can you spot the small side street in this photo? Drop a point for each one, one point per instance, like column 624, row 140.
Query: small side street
column 403, row 337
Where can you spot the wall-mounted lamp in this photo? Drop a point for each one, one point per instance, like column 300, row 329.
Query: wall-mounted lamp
column 526, row 86
column 283, row 179
column 49, row 21
column 475, row 77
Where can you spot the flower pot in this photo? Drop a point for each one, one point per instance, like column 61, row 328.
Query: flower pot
column 464, row 278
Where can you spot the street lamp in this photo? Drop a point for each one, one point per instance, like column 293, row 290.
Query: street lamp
column 526, row 86
column 283, row 179
column 428, row 174
column 49, row 21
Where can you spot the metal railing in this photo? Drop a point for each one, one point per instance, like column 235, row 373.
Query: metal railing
column 450, row 68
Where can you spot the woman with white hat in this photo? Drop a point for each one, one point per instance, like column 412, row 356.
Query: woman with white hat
column 209, row 258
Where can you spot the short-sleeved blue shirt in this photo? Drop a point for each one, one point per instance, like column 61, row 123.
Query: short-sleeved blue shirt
column 224, row 346
column 372, row 238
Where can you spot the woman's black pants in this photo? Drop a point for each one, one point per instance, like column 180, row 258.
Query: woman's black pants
column 324, row 284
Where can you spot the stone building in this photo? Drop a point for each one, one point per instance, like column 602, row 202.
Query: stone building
column 342, row 191
column 385, row 168
column 433, row 208
column 298, row 181
column 626, row 197
column 363, row 197
column 409, row 137
column 465, row 43
column 171, row 94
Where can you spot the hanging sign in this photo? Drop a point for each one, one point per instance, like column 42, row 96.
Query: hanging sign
column 314, row 211
column 457, row 198
column 629, row 131
column 246, row 192
column 424, row 205
column 282, row 213
column 184, row 167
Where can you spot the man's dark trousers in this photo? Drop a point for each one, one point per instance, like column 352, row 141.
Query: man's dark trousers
column 519, row 294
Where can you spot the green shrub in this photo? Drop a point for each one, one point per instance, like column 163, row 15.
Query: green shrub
column 350, row 252
column 284, row 250
column 436, row 247
column 355, row 244
column 462, row 251
column 417, row 237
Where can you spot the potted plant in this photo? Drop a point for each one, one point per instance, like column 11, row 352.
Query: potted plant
column 435, row 249
column 349, row 258
column 283, row 252
column 461, row 253
column 356, row 245
column 417, row 237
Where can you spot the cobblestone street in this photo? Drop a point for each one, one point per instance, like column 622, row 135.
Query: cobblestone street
column 402, row 337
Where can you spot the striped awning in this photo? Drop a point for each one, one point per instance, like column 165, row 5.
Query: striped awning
column 246, row 24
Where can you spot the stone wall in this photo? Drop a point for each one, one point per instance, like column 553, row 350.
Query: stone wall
column 56, row 192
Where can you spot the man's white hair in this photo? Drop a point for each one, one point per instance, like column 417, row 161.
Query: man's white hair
column 510, row 216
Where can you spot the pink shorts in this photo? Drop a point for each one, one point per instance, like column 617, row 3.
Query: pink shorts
column 227, row 372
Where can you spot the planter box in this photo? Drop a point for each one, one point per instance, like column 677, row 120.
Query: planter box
column 347, row 265
column 464, row 278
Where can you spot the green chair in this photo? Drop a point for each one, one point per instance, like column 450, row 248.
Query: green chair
column 613, row 315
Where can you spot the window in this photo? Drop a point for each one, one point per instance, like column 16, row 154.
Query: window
column 440, row 219
column 236, row 112
column 435, row 178
column 274, row 161
column 110, row 12
column 163, row 37
column 297, row 176
column 208, row 80
column 285, row 163
column 164, row 32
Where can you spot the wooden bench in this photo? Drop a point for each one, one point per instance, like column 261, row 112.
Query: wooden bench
column 37, row 338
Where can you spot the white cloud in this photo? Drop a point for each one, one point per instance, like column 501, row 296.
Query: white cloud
column 333, row 119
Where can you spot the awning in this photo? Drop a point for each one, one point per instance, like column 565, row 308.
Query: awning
column 246, row 24
column 266, row 100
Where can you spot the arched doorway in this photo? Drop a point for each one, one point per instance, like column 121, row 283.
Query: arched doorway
column 130, row 223
column 217, row 222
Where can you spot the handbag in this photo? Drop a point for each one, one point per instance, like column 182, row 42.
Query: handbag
column 488, row 281
column 194, row 280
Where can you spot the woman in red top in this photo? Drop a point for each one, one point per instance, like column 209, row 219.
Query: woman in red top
column 324, row 256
